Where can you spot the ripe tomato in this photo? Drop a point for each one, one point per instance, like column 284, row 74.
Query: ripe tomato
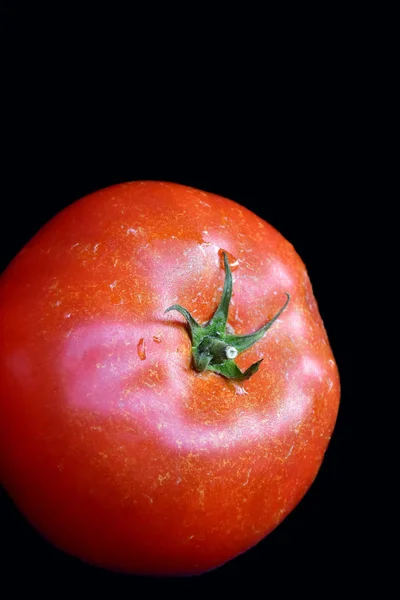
column 121, row 443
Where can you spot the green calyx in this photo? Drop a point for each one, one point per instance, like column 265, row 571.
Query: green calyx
column 212, row 348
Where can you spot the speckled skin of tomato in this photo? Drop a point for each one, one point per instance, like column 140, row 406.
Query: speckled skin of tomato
column 111, row 444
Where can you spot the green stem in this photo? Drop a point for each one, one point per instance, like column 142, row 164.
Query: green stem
column 212, row 348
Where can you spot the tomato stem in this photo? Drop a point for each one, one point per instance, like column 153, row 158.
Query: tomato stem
column 212, row 348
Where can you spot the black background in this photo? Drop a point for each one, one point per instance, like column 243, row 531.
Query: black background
column 278, row 138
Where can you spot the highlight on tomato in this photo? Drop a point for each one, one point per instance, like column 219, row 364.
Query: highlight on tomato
column 167, row 387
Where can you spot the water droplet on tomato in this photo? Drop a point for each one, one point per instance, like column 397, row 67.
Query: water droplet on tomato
column 141, row 349
column 233, row 262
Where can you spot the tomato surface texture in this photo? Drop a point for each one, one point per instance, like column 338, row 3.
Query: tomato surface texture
column 112, row 444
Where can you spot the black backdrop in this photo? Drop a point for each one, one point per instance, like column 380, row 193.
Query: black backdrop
column 71, row 128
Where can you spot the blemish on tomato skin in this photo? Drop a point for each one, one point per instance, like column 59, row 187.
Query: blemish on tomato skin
column 156, row 339
column 141, row 349
column 181, row 348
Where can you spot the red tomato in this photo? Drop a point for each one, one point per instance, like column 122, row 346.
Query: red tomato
column 112, row 444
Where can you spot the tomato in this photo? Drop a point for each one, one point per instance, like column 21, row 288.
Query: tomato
column 130, row 439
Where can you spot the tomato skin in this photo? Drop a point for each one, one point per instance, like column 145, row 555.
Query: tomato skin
column 111, row 445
